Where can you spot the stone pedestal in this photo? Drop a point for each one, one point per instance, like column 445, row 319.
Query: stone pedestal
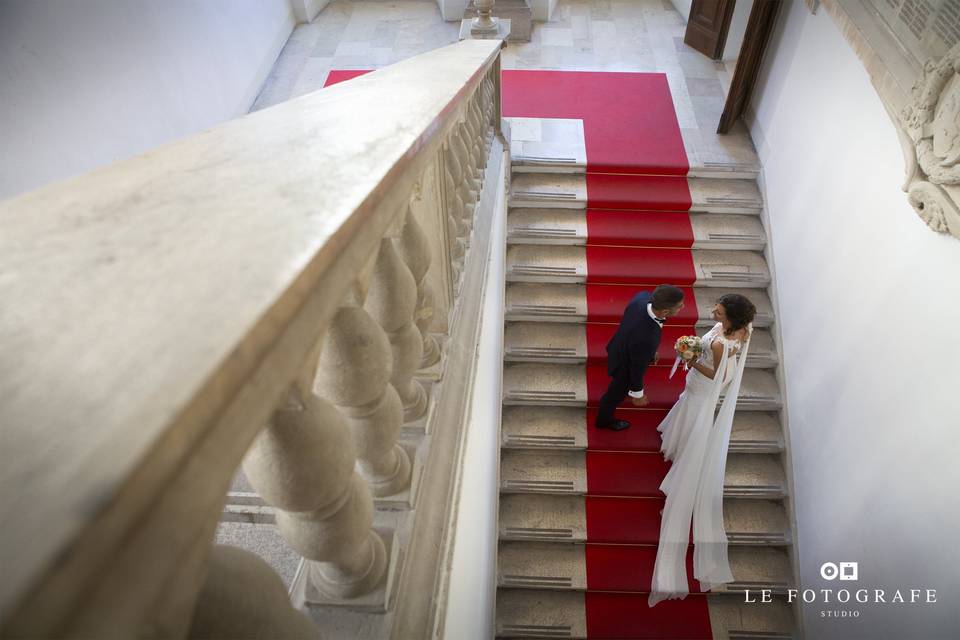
column 518, row 12
column 502, row 32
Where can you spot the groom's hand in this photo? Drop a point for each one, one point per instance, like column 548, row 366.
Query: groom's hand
column 641, row 402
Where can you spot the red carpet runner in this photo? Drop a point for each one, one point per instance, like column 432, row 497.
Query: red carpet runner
column 638, row 236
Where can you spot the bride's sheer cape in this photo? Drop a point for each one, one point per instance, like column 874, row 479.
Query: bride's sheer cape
column 697, row 442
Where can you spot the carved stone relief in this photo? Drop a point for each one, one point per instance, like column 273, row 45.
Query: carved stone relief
column 900, row 51
column 931, row 128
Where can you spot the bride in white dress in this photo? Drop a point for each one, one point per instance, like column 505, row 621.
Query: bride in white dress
column 697, row 444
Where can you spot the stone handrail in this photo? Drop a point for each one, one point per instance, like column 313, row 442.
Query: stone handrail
column 269, row 282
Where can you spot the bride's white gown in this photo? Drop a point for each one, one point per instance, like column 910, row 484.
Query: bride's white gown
column 697, row 443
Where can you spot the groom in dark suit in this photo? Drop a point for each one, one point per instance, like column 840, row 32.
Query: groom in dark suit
column 633, row 347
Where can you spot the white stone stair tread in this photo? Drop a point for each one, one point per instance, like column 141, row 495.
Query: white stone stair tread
column 536, row 383
column 748, row 475
column 542, row 613
column 563, row 518
column 563, row 342
column 751, row 475
column 569, row 227
column 549, row 565
column 542, row 263
column 730, row 155
column 549, row 190
column 556, row 472
column 543, row 145
column 535, row 613
column 568, row 303
column 544, row 342
column 568, row 265
column 566, row 385
column 547, row 145
column 759, row 391
column 537, row 427
column 568, row 191
column 730, row 268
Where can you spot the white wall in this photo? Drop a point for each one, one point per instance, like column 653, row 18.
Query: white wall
column 542, row 10
column 738, row 26
column 88, row 83
column 868, row 312
column 307, row 10
column 682, row 7
column 452, row 9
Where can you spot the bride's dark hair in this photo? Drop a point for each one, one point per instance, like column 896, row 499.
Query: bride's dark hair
column 740, row 311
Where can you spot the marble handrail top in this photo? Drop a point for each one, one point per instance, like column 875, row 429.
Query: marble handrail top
column 131, row 291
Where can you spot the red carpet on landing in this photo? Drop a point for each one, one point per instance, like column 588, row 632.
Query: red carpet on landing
column 629, row 122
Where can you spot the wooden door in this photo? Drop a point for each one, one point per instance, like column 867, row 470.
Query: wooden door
column 707, row 26
column 763, row 18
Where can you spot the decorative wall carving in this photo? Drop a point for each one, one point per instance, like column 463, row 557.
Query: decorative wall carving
column 902, row 51
column 931, row 122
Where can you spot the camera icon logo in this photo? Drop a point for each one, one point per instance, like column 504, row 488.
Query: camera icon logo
column 845, row 571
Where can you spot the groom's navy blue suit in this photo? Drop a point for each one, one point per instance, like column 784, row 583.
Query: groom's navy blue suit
column 630, row 351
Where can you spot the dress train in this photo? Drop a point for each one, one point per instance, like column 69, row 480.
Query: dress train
column 697, row 443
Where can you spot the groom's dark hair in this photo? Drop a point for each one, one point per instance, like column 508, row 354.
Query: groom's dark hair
column 666, row 296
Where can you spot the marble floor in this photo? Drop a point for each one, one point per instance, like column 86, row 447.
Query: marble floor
column 584, row 35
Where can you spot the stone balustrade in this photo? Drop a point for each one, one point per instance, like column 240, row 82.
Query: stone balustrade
column 272, row 291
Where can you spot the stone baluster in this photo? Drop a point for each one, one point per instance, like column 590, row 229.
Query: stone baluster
column 467, row 178
column 415, row 250
column 489, row 97
column 475, row 129
column 483, row 109
column 462, row 174
column 456, row 200
column 355, row 369
column 303, row 464
column 475, row 153
column 455, row 207
column 243, row 598
column 392, row 302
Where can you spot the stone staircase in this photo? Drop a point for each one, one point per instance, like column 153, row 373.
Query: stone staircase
column 554, row 370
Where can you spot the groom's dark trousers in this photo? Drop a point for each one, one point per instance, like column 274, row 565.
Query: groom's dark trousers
column 629, row 352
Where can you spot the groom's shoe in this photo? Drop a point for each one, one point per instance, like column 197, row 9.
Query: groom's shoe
column 616, row 425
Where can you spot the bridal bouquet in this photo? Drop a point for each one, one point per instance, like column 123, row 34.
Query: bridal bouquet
column 688, row 348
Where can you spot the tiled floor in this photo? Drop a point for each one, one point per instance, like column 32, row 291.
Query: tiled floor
column 585, row 35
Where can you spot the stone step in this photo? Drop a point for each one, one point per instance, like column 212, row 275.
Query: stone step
column 563, row 518
column 542, row 613
column 565, row 428
column 568, row 303
column 567, row 191
column 748, row 475
column 568, row 265
column 570, row 227
column 566, row 385
column 563, row 566
column 555, row 145
column 568, row 343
